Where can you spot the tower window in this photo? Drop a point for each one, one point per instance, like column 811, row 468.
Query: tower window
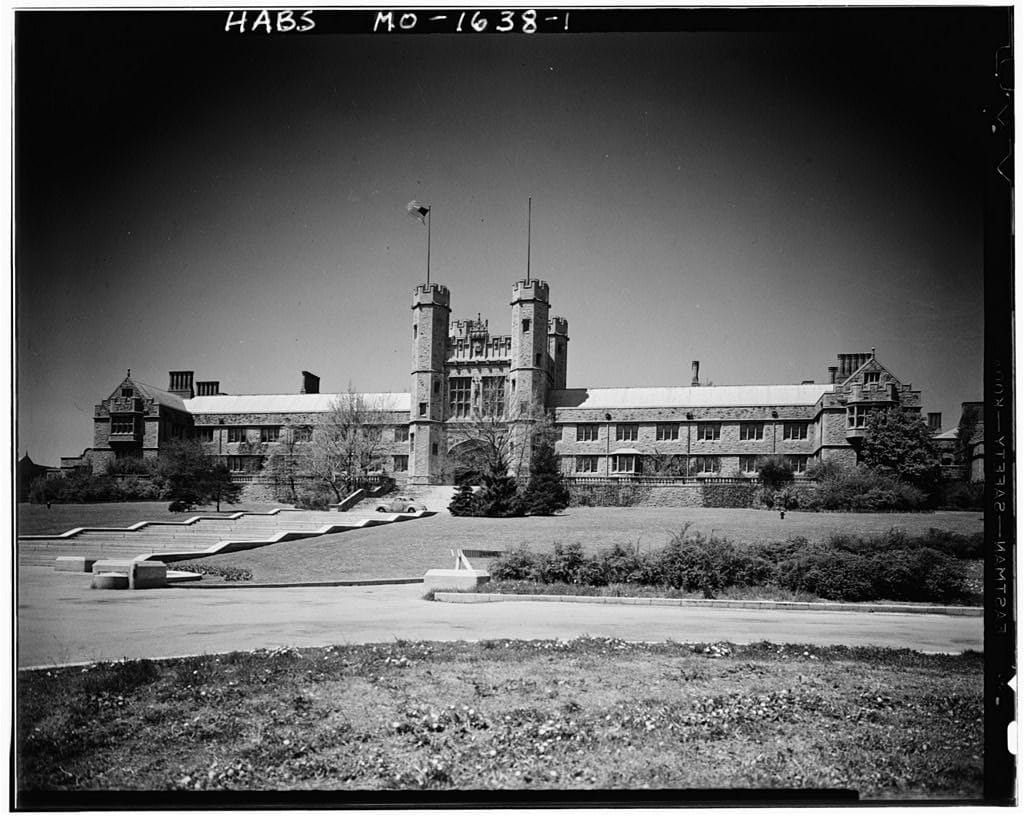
column 526, row 324
column 437, row 387
column 415, row 331
column 433, row 449
column 423, row 409
column 536, row 359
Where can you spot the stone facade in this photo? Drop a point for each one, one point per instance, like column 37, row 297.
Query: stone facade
column 461, row 370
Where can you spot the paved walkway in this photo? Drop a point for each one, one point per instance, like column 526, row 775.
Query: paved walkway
column 62, row 620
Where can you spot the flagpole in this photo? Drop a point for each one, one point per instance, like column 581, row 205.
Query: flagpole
column 428, row 247
column 529, row 220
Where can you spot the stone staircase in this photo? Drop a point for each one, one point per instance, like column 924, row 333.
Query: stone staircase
column 197, row 536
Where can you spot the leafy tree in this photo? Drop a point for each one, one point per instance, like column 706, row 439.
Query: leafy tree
column 775, row 471
column 219, row 487
column 899, row 443
column 348, row 444
column 189, row 476
column 546, row 492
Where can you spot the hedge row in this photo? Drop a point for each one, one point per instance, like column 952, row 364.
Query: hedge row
column 893, row 566
column 82, row 488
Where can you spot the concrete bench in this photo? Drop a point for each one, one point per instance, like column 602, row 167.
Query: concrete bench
column 140, row 574
column 73, row 563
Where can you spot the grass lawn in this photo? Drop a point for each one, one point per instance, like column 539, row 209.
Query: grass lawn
column 411, row 548
column 584, row 714
column 36, row 519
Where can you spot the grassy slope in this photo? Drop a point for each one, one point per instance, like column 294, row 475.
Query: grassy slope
column 411, row 548
column 590, row 713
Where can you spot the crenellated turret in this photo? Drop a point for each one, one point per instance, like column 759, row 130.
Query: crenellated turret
column 558, row 347
column 431, row 312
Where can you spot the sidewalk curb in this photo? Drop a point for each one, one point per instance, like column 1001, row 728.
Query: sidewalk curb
column 304, row 585
column 802, row 606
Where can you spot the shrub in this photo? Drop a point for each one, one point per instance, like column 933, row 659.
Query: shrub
column 316, row 497
column 960, row 496
column 709, row 564
column 517, row 565
column 775, row 471
column 563, row 564
column 921, row 574
column 855, row 487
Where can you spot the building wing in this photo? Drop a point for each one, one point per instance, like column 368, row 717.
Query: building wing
column 704, row 396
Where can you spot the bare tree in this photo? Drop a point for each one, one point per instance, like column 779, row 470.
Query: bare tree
column 348, row 443
column 289, row 462
column 497, row 440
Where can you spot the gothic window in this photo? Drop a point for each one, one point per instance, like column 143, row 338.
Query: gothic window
column 401, row 433
column 748, row 464
column 626, row 463
column 667, row 431
column 794, row 430
column 459, row 397
column 586, row 464
column 237, row 434
column 751, row 430
column 709, row 431
column 798, row 462
column 526, row 324
column 122, row 424
column 270, row 433
column 127, row 392
column 627, row 432
column 707, row 464
column 302, row 433
column 872, row 377
column 204, row 434
column 857, row 416
column 401, row 464
column 586, row 432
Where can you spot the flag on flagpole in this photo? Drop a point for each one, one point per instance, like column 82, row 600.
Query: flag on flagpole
column 417, row 210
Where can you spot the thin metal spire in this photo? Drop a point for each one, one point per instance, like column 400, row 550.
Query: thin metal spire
column 529, row 221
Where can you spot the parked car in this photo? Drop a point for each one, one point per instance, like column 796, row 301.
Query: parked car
column 400, row 504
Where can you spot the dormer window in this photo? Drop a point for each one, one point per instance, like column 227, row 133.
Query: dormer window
column 127, row 392
column 872, row 377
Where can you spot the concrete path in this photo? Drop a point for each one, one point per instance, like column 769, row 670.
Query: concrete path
column 62, row 620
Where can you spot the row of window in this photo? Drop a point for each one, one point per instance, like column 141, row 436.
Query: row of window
column 705, row 431
column 634, row 463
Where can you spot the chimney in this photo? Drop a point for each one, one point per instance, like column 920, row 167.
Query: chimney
column 310, row 383
column 207, row 388
column 696, row 373
column 181, row 384
column 934, row 420
column 832, row 371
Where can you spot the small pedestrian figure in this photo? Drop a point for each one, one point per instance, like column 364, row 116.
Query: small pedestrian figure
column 782, row 513
column 47, row 505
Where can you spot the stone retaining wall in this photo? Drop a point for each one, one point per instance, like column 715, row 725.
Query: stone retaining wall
column 688, row 495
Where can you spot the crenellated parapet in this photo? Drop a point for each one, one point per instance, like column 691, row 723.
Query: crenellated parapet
column 528, row 290
column 558, row 325
column 431, row 294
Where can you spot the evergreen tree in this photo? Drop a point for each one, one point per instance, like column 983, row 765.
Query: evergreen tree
column 546, row 492
column 499, row 496
column 464, row 501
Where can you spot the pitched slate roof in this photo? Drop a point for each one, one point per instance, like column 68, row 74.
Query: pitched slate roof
column 290, row 403
column 704, row 396
column 159, row 396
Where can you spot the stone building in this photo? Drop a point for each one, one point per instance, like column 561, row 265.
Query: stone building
column 461, row 371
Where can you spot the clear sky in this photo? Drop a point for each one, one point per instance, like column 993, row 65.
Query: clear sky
column 760, row 197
